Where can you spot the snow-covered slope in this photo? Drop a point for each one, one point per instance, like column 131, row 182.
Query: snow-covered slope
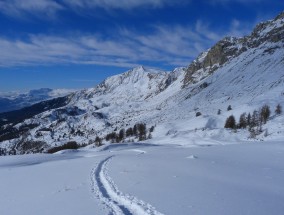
column 245, row 73
column 145, row 179
column 10, row 101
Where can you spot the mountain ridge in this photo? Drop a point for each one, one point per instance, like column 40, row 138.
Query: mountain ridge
column 230, row 47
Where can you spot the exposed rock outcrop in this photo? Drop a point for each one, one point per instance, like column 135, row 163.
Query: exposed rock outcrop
column 271, row 31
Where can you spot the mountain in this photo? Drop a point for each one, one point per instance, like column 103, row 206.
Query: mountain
column 10, row 101
column 245, row 73
column 266, row 35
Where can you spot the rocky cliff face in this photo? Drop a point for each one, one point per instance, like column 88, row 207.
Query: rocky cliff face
column 211, row 60
column 230, row 47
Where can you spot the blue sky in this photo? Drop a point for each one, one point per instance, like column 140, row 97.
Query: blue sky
column 78, row 43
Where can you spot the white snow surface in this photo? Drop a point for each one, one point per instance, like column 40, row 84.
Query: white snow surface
column 244, row 178
column 191, row 166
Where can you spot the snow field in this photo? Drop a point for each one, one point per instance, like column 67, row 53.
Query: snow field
column 245, row 178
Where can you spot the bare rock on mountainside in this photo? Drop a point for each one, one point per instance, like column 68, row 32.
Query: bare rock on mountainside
column 230, row 47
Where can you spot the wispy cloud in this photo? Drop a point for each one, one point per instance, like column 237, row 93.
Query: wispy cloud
column 166, row 45
column 49, row 8
column 20, row 8
column 122, row 4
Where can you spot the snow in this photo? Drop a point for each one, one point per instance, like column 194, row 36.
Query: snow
column 192, row 165
column 244, row 178
column 116, row 201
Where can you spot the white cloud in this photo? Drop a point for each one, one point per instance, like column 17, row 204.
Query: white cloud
column 19, row 8
column 240, row 29
column 121, row 4
column 169, row 45
column 122, row 51
column 49, row 8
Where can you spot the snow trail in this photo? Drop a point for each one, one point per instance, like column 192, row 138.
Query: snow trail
column 117, row 202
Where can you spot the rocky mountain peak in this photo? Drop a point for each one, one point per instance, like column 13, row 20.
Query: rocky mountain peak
column 280, row 16
column 207, row 62
column 138, row 69
column 270, row 31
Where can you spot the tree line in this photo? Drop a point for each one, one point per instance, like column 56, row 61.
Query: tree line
column 253, row 121
column 138, row 131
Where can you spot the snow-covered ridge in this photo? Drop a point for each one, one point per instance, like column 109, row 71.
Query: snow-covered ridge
column 136, row 78
column 138, row 84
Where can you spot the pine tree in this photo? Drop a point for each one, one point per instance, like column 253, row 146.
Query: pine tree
column 243, row 121
column 111, row 137
column 141, row 131
column 230, row 122
column 135, row 131
column 278, row 109
column 249, row 119
column 98, row 141
column 254, row 119
column 121, row 135
column 264, row 113
column 129, row 132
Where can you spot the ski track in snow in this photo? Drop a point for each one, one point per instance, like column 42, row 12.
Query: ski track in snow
column 116, row 202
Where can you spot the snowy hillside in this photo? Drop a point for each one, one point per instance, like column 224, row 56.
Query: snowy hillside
column 145, row 179
column 245, row 73
column 10, row 101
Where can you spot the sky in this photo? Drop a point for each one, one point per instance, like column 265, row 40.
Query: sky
column 78, row 43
